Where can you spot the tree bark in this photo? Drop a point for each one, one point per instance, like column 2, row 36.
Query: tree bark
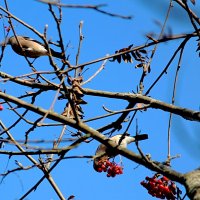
column 192, row 184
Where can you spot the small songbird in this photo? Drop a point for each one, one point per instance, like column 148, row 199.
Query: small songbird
column 30, row 47
column 103, row 153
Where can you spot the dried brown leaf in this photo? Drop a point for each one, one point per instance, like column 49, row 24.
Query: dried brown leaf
column 142, row 51
column 71, row 197
column 80, row 101
column 129, row 59
column 118, row 59
column 135, row 56
column 124, row 57
column 139, row 65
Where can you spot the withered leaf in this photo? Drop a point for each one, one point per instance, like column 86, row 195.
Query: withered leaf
column 140, row 57
column 130, row 46
column 149, row 69
column 127, row 56
column 124, row 49
column 71, row 197
column 142, row 51
column 79, row 109
column 134, row 56
column 138, row 54
column 139, row 65
column 76, row 87
column 118, row 59
column 113, row 59
column 80, row 101
column 77, row 91
column 129, row 59
column 124, row 57
column 66, row 112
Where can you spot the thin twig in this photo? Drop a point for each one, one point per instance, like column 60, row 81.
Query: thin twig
column 196, row 18
column 49, row 178
column 168, row 64
column 161, row 34
column 81, row 37
column 54, row 165
column 162, row 40
column 46, row 162
column 58, row 22
column 94, row 7
column 56, row 144
column 115, row 113
column 173, row 101
column 96, row 73
column 190, row 14
column 54, row 100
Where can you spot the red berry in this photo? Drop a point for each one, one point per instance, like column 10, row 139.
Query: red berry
column 152, row 193
column 103, row 166
column 108, row 163
column 166, row 190
column 172, row 188
column 143, row 183
column 108, row 175
column 105, row 170
column 170, row 196
column 152, row 184
column 164, row 178
column 99, row 169
column 159, row 182
column 147, row 178
column 161, row 188
column 159, row 195
column 1, row 107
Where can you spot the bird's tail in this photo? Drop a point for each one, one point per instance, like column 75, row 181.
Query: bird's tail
column 141, row 137
column 56, row 54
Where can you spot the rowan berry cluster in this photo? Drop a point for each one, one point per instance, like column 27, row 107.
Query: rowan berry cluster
column 111, row 168
column 160, row 187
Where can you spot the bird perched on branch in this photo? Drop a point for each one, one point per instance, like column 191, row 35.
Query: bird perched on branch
column 31, row 48
column 103, row 153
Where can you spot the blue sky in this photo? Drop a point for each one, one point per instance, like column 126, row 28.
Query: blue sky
column 104, row 35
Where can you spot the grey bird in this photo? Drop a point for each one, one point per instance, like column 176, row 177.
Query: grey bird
column 103, row 153
column 30, row 48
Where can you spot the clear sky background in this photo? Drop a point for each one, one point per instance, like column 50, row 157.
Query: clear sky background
column 104, row 35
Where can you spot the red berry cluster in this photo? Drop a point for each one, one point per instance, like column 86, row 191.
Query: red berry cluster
column 160, row 187
column 111, row 168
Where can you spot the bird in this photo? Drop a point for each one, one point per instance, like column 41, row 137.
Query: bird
column 103, row 153
column 30, row 48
